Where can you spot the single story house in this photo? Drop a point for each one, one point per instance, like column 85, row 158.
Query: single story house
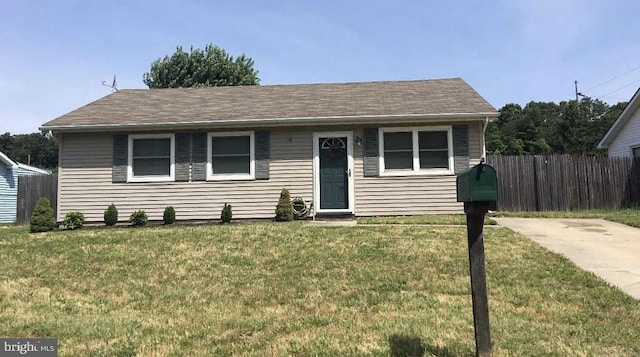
column 10, row 172
column 364, row 149
column 623, row 138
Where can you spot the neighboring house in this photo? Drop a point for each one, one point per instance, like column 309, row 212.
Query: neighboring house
column 10, row 172
column 374, row 148
column 623, row 138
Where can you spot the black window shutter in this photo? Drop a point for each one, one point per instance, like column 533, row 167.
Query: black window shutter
column 371, row 151
column 199, row 156
column 120, row 160
column 460, row 148
column 183, row 152
column 262, row 154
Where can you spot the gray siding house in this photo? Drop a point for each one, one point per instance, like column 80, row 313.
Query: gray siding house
column 10, row 173
column 623, row 138
column 365, row 149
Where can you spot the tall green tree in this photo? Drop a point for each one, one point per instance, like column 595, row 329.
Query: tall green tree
column 519, row 131
column 569, row 127
column 582, row 126
column 36, row 149
column 211, row 67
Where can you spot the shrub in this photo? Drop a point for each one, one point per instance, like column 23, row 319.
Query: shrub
column 111, row 215
column 42, row 219
column 73, row 220
column 226, row 214
column 169, row 215
column 284, row 209
column 138, row 218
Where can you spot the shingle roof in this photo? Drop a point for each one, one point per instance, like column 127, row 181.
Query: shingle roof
column 155, row 107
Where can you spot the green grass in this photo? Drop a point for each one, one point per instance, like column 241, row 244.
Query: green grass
column 442, row 219
column 290, row 289
column 630, row 217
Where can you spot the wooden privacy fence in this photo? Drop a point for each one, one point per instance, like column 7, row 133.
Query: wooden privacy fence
column 566, row 183
column 30, row 189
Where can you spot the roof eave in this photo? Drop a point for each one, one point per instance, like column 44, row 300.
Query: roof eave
column 272, row 122
column 624, row 117
column 10, row 163
column 33, row 169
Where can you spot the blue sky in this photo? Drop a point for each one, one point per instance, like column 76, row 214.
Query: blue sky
column 55, row 54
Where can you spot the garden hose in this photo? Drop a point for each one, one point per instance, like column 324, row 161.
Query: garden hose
column 300, row 210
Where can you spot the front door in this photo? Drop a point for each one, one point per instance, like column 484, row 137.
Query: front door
column 334, row 174
column 333, row 165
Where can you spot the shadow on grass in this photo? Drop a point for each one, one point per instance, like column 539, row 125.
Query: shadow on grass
column 412, row 346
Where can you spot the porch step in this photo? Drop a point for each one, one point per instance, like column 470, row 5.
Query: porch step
column 333, row 220
column 334, row 216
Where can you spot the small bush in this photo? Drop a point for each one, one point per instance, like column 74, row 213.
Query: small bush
column 111, row 215
column 284, row 209
column 42, row 219
column 226, row 214
column 138, row 218
column 73, row 220
column 169, row 215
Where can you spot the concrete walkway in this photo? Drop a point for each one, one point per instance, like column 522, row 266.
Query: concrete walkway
column 608, row 249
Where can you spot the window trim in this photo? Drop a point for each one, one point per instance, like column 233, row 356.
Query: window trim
column 232, row 177
column 416, row 171
column 172, row 159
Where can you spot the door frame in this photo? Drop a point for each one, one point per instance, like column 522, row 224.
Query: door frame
column 316, row 171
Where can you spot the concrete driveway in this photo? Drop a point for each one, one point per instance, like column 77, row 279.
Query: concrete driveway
column 608, row 249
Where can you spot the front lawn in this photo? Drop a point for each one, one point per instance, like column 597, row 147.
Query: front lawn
column 290, row 289
column 629, row 216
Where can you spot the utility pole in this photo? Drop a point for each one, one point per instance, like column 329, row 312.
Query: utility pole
column 578, row 94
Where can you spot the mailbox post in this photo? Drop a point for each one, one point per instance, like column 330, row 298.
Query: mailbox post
column 478, row 189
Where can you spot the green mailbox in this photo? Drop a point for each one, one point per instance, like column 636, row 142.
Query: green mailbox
column 478, row 184
column 478, row 189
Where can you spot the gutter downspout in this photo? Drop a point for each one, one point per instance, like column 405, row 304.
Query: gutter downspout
column 484, row 130
column 60, row 139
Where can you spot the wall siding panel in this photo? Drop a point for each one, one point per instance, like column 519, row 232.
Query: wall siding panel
column 628, row 137
column 475, row 142
column 8, row 194
column 9, row 178
column 389, row 196
column 85, row 183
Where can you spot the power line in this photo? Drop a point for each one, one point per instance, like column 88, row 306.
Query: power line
column 613, row 79
column 620, row 99
column 619, row 89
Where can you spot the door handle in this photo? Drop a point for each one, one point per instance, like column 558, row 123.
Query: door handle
column 348, row 172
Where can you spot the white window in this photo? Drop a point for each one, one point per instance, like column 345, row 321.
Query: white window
column 151, row 158
column 230, row 156
column 416, row 151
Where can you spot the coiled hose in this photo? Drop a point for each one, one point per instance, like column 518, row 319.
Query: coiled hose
column 300, row 210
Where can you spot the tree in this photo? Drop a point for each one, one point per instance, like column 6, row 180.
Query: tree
column 519, row 131
column 582, row 126
column 542, row 128
column 284, row 209
column 42, row 219
column 35, row 149
column 211, row 67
